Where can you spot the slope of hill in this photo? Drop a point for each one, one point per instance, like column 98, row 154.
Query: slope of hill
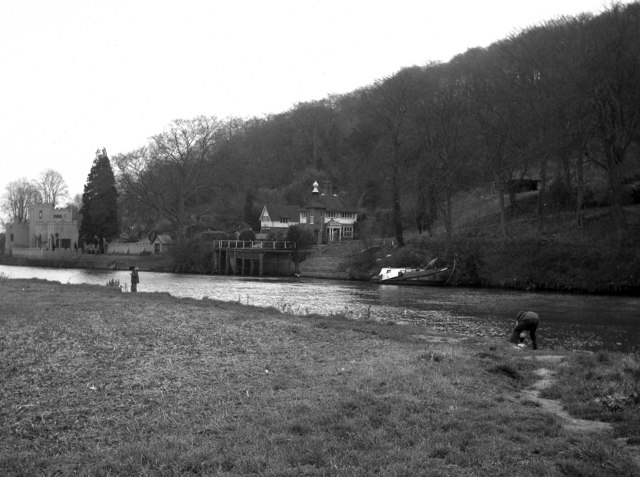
column 557, row 256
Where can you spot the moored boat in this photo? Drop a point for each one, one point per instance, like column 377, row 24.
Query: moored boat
column 415, row 276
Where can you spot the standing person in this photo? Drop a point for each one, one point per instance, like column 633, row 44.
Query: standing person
column 525, row 321
column 135, row 278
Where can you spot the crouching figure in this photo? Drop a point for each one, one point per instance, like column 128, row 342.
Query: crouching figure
column 525, row 321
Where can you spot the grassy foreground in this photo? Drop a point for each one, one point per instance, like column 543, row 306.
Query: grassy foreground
column 98, row 382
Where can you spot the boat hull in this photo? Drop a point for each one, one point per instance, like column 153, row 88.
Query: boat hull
column 438, row 277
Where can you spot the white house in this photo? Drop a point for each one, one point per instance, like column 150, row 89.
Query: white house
column 326, row 215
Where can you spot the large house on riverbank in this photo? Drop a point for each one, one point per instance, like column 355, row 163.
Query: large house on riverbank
column 326, row 215
column 46, row 227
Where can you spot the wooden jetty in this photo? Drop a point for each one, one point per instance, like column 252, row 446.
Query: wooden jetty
column 254, row 257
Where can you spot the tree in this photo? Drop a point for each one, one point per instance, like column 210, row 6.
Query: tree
column 251, row 213
column 52, row 187
column 75, row 204
column 390, row 108
column 19, row 195
column 174, row 175
column 99, row 212
column 441, row 123
column 613, row 73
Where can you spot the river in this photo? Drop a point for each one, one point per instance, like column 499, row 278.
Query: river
column 566, row 321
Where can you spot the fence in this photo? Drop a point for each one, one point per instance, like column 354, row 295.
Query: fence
column 254, row 244
column 129, row 248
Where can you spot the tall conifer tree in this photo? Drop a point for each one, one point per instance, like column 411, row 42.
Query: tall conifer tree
column 99, row 210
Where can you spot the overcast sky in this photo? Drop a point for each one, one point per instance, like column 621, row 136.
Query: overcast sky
column 79, row 75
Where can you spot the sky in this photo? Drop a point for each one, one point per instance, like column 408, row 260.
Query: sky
column 79, row 75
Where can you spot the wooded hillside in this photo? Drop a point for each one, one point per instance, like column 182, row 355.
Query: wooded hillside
column 558, row 103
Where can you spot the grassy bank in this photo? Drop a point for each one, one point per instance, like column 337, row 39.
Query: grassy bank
column 99, row 382
column 557, row 257
column 155, row 262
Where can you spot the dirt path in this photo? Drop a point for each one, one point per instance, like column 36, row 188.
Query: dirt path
column 547, row 378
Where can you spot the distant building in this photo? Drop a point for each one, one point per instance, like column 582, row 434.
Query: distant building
column 276, row 219
column 162, row 243
column 45, row 228
column 326, row 215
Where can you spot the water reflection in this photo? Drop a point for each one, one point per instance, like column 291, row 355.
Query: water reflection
column 567, row 321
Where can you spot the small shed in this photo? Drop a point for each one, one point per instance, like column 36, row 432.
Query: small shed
column 162, row 243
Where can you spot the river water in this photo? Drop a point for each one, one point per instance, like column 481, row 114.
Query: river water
column 566, row 321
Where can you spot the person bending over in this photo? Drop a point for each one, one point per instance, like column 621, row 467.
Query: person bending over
column 525, row 321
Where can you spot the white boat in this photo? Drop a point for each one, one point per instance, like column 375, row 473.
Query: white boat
column 415, row 276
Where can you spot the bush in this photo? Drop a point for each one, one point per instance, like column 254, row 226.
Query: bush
column 247, row 235
column 302, row 236
column 561, row 195
column 403, row 257
column 195, row 256
column 632, row 189
column 211, row 235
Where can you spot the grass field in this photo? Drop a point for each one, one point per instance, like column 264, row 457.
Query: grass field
column 98, row 382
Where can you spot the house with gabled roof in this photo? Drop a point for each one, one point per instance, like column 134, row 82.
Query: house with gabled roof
column 162, row 243
column 326, row 215
column 276, row 219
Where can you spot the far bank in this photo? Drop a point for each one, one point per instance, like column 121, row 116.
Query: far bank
column 527, row 265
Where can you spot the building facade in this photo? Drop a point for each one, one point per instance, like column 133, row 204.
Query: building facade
column 326, row 215
column 46, row 228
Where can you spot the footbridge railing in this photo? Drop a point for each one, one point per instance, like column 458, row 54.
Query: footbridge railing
column 254, row 244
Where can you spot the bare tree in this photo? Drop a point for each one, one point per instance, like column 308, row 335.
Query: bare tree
column 75, row 204
column 391, row 101
column 614, row 100
column 174, row 174
column 52, row 187
column 19, row 195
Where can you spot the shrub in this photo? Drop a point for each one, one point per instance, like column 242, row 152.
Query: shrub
column 211, row 235
column 301, row 236
column 247, row 235
column 195, row 256
column 561, row 195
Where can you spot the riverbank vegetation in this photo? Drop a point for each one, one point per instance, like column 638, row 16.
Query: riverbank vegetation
column 100, row 382
column 564, row 259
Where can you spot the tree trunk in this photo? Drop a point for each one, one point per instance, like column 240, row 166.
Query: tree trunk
column 580, row 192
column 617, row 202
column 397, row 210
column 541, row 196
column 448, row 223
column 503, row 214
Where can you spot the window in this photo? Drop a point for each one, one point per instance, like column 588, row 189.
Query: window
column 284, row 220
column 347, row 232
column 12, row 237
column 40, row 215
column 311, row 219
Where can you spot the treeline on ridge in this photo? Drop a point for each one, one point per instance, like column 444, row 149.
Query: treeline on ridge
column 558, row 102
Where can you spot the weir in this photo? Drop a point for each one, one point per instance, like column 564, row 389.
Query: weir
column 254, row 257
